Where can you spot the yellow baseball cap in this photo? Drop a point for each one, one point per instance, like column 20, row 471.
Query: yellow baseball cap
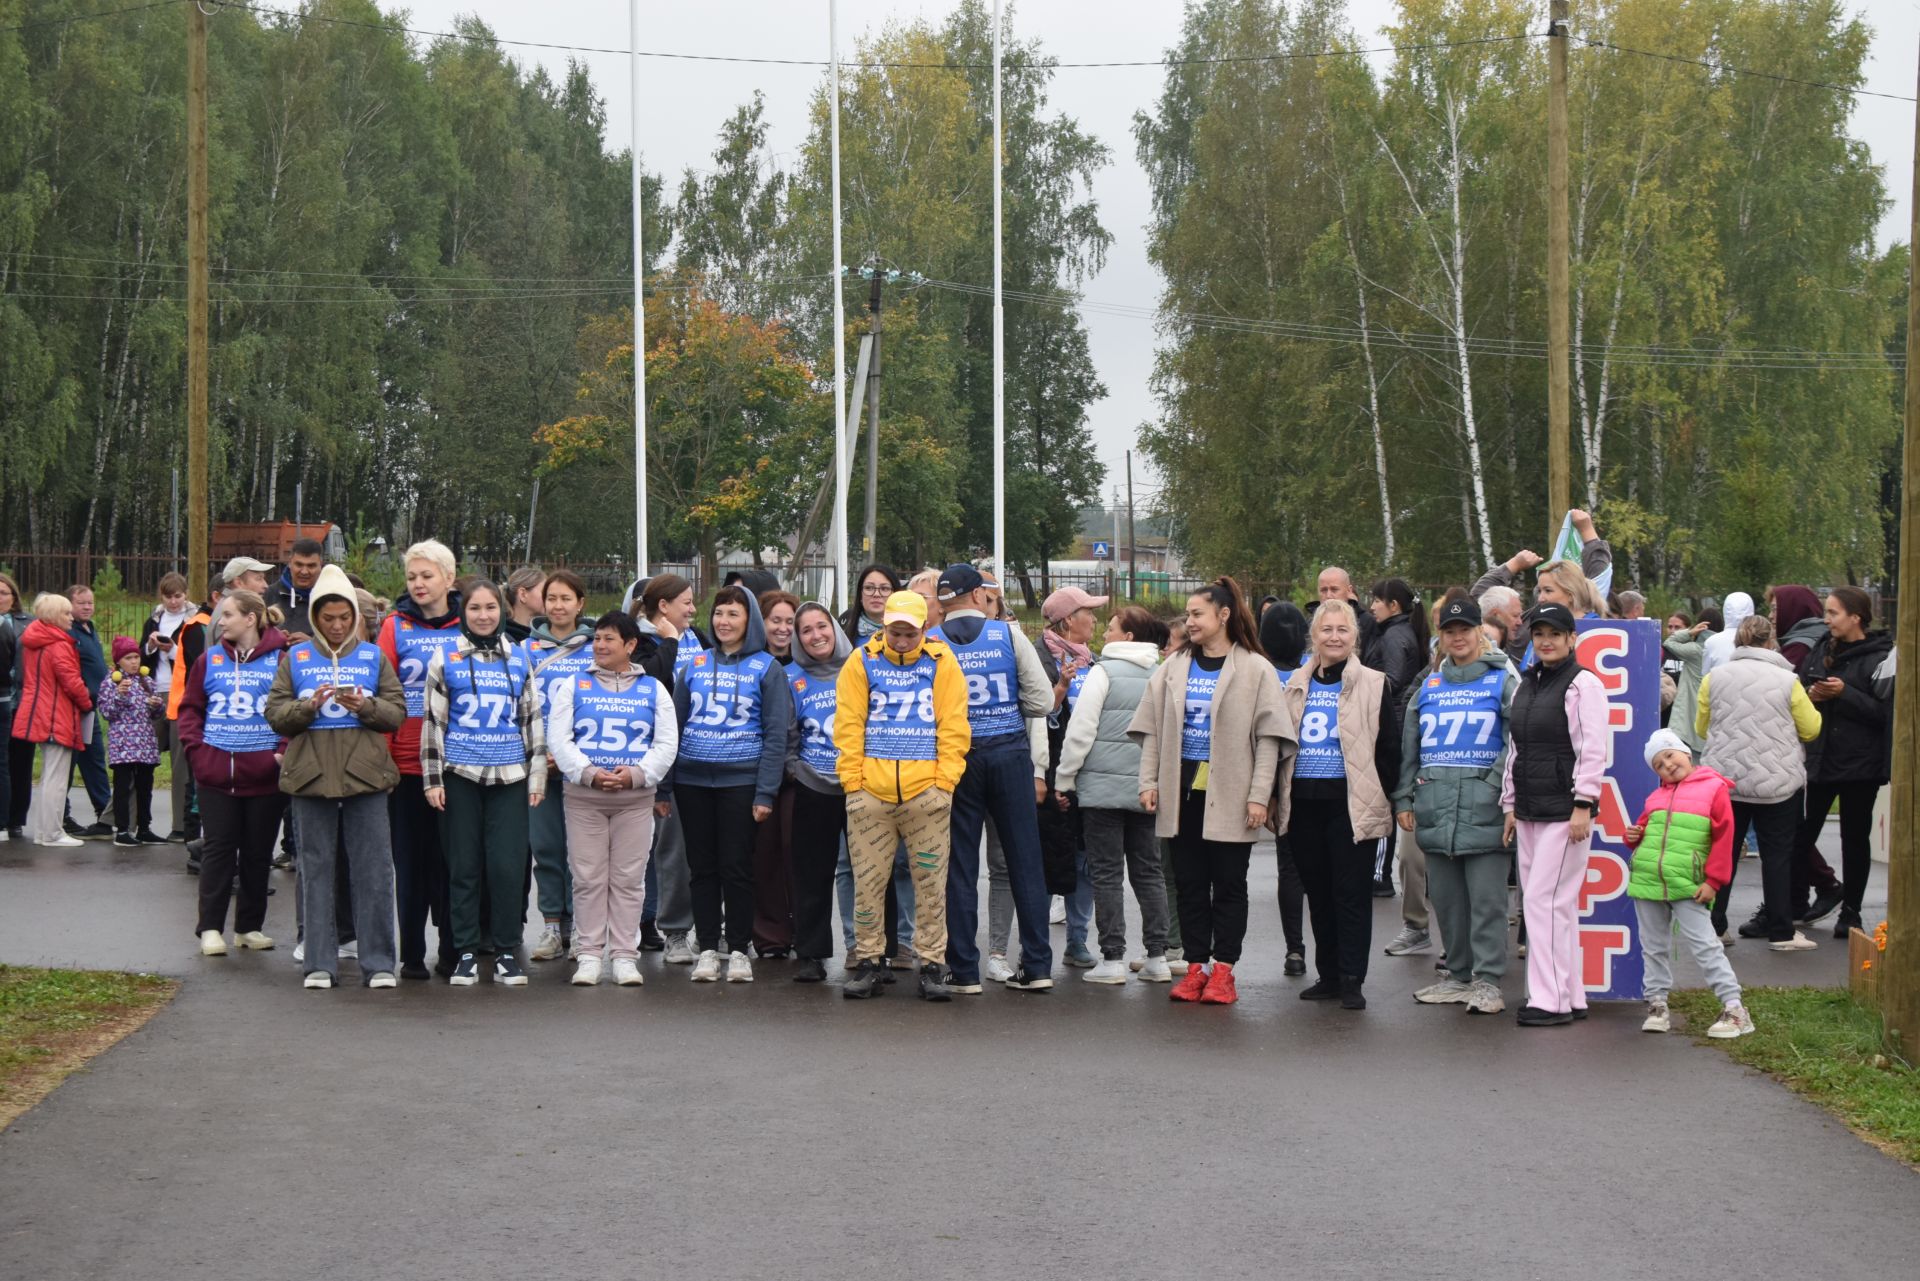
column 906, row 607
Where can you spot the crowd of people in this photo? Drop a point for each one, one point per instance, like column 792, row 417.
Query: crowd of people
column 714, row 794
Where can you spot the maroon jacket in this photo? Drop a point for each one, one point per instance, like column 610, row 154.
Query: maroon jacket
column 235, row 773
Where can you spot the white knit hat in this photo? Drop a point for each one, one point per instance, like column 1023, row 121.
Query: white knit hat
column 1665, row 740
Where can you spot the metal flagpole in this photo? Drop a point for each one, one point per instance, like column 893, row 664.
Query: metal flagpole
column 839, row 524
column 639, row 312
column 999, row 337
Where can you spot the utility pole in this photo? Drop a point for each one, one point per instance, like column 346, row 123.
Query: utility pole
column 1900, row 980
column 1559, row 394
column 877, row 278
column 197, row 294
column 1133, row 545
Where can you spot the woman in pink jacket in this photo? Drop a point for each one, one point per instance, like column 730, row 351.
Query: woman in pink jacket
column 1551, row 789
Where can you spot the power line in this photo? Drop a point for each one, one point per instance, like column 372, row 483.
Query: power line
column 1743, row 71
column 87, row 17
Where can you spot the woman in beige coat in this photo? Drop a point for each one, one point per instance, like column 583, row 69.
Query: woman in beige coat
column 1333, row 797
column 1212, row 734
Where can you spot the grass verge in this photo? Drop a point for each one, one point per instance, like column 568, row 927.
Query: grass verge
column 1824, row 1047
column 53, row 1021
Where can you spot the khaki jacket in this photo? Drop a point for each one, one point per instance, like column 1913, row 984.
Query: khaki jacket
column 1362, row 690
column 338, row 763
column 1251, row 736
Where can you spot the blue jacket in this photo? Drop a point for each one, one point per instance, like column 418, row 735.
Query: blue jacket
column 93, row 662
column 776, row 718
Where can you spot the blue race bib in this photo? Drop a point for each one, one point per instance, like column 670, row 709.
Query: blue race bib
column 814, row 705
column 1196, row 726
column 1320, row 755
column 414, row 647
column 615, row 727
column 237, row 702
column 358, row 668
column 553, row 666
column 900, row 724
column 1460, row 721
column 483, row 705
column 723, row 708
column 993, row 680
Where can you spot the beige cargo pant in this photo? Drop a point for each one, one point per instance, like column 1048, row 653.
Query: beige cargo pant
column 874, row 828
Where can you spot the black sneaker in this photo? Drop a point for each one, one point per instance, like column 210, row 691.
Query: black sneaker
column 283, row 861
column 1382, row 889
column 1757, row 927
column 1296, row 965
column 147, row 836
column 1321, row 990
column 650, row 938
column 1823, row 905
column 415, row 970
column 507, row 971
column 933, row 982
column 1848, row 921
column 466, row 971
column 1351, row 997
column 125, row 839
column 176, row 837
column 866, row 981
column 810, row 970
column 73, row 829
column 1534, row 1016
column 445, row 966
column 1026, row 980
column 16, row 833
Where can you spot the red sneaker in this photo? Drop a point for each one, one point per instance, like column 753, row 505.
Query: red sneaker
column 1192, row 985
column 1220, row 989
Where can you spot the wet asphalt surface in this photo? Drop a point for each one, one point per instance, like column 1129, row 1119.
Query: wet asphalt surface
column 775, row 1130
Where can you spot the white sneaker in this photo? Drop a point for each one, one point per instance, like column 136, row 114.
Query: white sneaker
column 64, row 842
column 586, row 972
column 707, row 968
column 679, row 951
column 626, row 972
column 1448, row 991
column 383, row 979
column 1798, row 943
column 739, row 969
column 1408, row 941
column 299, row 951
column 997, row 968
column 255, row 940
column 551, row 946
column 1056, row 914
column 350, row 951
column 1178, row 965
column 1657, row 1020
column 1734, row 1021
column 1483, row 997
column 318, row 979
column 1137, row 964
column 212, row 943
column 1155, row 969
column 1114, row 971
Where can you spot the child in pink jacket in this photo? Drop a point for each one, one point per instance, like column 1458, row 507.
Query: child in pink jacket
column 1682, row 859
column 1558, row 721
column 128, row 700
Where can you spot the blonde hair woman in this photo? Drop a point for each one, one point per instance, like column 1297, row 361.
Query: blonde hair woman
column 53, row 700
column 1333, row 797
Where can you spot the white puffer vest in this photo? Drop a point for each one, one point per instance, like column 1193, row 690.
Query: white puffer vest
column 1751, row 739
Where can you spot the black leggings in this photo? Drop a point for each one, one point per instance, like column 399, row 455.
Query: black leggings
column 1211, row 887
column 1337, row 873
column 239, row 834
column 719, row 828
column 1292, row 896
column 132, row 795
column 819, row 823
column 1856, row 833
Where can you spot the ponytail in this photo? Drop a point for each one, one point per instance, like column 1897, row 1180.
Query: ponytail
column 1225, row 594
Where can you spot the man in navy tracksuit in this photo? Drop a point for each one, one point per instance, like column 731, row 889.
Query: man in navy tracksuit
column 1008, row 698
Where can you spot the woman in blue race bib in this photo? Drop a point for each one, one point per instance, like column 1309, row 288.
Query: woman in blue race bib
column 557, row 650
column 734, row 709
column 235, row 757
column 665, row 611
column 613, row 736
column 819, row 803
column 1333, row 798
column 483, row 763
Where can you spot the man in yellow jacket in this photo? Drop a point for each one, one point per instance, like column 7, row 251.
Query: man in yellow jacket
column 903, row 737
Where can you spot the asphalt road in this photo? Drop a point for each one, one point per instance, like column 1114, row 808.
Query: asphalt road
column 775, row 1130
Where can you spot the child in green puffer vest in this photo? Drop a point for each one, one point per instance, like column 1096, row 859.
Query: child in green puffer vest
column 1682, row 857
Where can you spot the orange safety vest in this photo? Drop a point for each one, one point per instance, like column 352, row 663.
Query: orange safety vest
column 179, row 686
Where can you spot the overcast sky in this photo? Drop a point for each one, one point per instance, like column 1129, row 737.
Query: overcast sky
column 683, row 103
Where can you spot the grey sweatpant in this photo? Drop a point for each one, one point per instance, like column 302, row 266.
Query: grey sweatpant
column 1121, row 848
column 1659, row 922
column 359, row 825
column 1413, row 884
column 676, row 887
column 1470, row 903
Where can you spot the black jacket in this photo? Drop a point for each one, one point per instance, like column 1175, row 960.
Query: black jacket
column 1856, row 741
column 1394, row 651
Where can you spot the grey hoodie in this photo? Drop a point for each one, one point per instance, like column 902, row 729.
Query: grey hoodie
column 815, row 669
column 776, row 719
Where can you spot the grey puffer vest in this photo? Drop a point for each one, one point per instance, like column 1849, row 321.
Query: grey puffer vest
column 1751, row 739
column 1110, row 780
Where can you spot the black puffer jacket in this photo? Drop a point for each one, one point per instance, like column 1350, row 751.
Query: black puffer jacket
column 1855, row 743
column 1394, row 651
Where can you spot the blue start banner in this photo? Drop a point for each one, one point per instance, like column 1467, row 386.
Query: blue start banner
column 1625, row 655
